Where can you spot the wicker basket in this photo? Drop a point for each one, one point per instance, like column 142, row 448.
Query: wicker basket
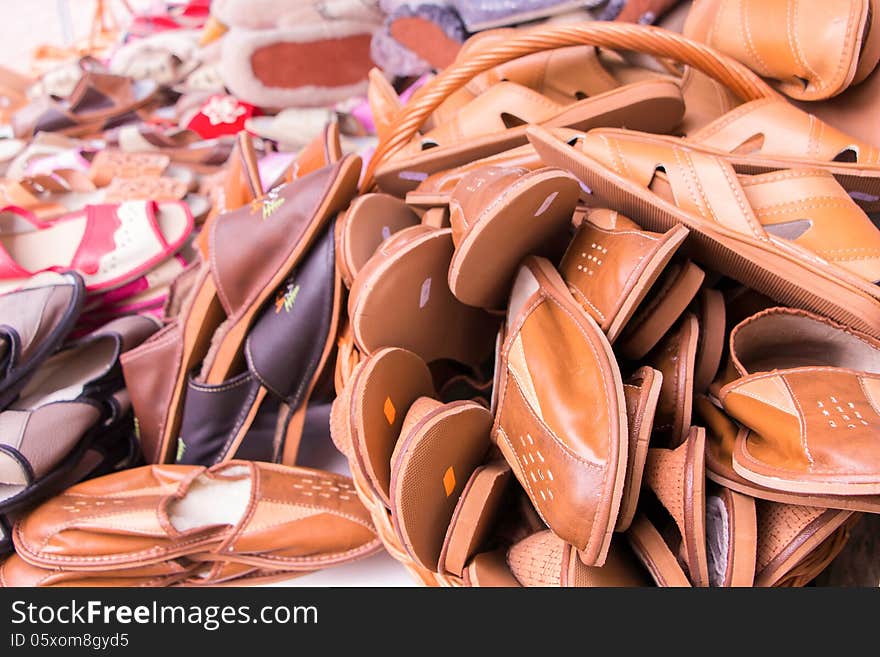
column 618, row 36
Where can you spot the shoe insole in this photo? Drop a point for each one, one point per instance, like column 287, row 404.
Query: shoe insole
column 211, row 501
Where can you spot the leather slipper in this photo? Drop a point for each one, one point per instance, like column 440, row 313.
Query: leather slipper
column 656, row 556
column 271, row 516
column 612, row 264
column 731, row 538
column 642, row 392
column 560, row 417
column 16, row 572
column 721, row 437
column 798, row 254
column 222, row 421
column 108, row 245
column 796, row 543
column 440, row 447
column 670, row 296
column 497, row 120
column 401, row 298
column 498, row 217
column 811, row 404
column 676, row 477
column 34, row 321
column 544, row 559
column 369, row 220
column 252, row 251
column 797, row 58
column 369, row 413
column 474, row 516
column 435, row 190
column 60, row 409
column 710, row 309
column 99, row 101
column 490, row 570
column 675, row 358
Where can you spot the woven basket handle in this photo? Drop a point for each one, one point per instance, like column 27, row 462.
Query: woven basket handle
column 621, row 36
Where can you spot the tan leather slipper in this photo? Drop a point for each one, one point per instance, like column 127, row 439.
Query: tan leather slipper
column 369, row 220
column 668, row 299
column 440, row 447
column 560, row 417
column 731, row 538
column 612, row 264
column 796, row 543
column 642, row 391
column 401, row 298
column 722, row 434
column 811, row 404
column 498, row 217
column 677, row 478
column 474, row 516
column 675, row 358
column 544, row 559
column 744, row 226
column 370, row 411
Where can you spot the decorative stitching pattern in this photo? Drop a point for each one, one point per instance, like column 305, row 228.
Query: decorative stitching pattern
column 746, row 28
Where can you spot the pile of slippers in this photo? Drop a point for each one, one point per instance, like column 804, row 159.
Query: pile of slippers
column 598, row 321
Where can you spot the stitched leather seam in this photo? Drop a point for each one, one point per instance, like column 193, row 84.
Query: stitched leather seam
column 628, row 173
column 776, row 176
column 788, row 207
column 817, row 128
column 750, row 41
column 686, row 175
column 740, row 388
column 580, row 295
column 733, row 182
column 156, row 549
column 848, row 36
column 330, row 557
column 868, row 396
column 307, row 234
column 869, row 253
column 630, row 281
column 791, row 14
column 639, row 233
column 801, row 421
column 322, row 509
column 224, row 387
column 615, row 160
column 732, row 116
column 566, row 451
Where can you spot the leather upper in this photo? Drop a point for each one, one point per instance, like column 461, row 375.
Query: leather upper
column 775, row 127
column 812, row 49
column 295, row 517
column 249, row 245
column 477, row 193
column 802, row 210
column 605, row 260
column 812, row 403
column 561, row 420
